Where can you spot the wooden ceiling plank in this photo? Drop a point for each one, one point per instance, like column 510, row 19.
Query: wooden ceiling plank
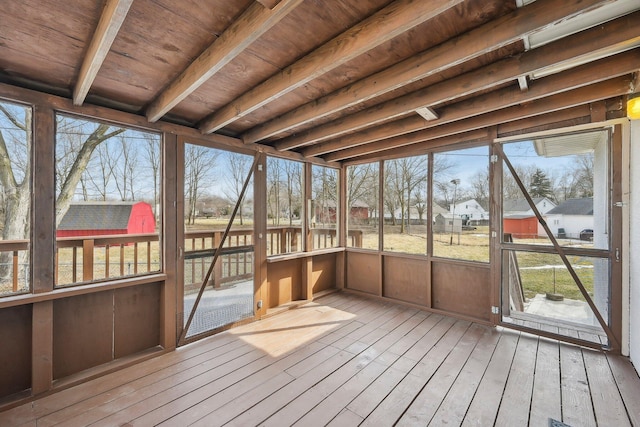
column 423, row 147
column 113, row 15
column 584, row 95
column 250, row 26
column 555, row 119
column 269, row 3
column 477, row 42
column 601, row 70
column 395, row 19
column 613, row 33
column 544, row 120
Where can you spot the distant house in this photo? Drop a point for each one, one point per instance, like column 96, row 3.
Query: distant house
column 107, row 218
column 519, row 219
column 447, row 223
column 471, row 212
column 359, row 211
column 326, row 212
column 572, row 215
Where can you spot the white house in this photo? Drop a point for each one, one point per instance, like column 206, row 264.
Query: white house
column 572, row 215
column 470, row 211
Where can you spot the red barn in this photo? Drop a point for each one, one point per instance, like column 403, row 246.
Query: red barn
column 107, row 218
column 521, row 226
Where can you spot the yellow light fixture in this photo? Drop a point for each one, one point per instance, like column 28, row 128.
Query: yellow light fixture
column 633, row 107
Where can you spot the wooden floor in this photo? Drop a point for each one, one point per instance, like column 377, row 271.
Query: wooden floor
column 346, row 360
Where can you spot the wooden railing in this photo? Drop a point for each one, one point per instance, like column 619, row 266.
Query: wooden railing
column 10, row 258
column 235, row 262
column 90, row 258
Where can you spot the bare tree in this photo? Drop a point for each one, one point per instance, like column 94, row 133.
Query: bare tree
column 510, row 189
column 325, row 193
column 443, row 169
column 583, row 171
column 293, row 174
column 479, row 187
column 362, row 185
column 152, row 153
column 101, row 171
column 239, row 165
column 70, row 182
column 274, row 169
column 15, row 169
column 127, row 170
column 402, row 177
column 198, row 165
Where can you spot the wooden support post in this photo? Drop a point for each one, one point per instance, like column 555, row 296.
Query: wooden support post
column 261, row 286
column 170, row 303
column 107, row 264
column 307, row 278
column 42, row 347
column 495, row 227
column 43, row 247
column 87, row 260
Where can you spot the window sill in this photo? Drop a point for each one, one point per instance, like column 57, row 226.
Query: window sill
column 73, row 290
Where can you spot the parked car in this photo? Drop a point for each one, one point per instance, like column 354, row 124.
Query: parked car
column 586, row 234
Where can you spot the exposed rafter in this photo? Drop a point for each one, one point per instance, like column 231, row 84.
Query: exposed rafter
column 395, row 19
column 603, row 90
column 425, row 147
column 253, row 23
column 269, row 3
column 615, row 32
column 453, row 52
column 113, row 15
column 618, row 65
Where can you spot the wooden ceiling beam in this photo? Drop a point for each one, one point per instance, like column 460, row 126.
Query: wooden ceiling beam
column 250, row 26
column 584, row 95
column 113, row 15
column 575, row 115
column 393, row 20
column 269, row 3
column 477, row 42
column 424, row 147
column 603, row 69
column 615, row 33
column 572, row 116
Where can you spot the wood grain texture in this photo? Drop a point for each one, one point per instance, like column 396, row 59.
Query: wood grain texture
column 113, row 15
column 493, row 75
column 568, row 99
column 346, row 358
column 16, row 358
column 253, row 23
column 477, row 42
column 395, row 19
column 363, row 272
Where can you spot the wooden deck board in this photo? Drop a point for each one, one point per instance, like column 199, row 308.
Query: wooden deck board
column 607, row 402
column 426, row 403
column 347, row 360
column 455, row 404
column 577, row 408
column 519, row 388
column 486, row 401
column 628, row 383
column 546, row 400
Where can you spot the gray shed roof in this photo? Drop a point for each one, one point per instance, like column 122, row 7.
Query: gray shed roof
column 518, row 205
column 582, row 206
column 97, row 216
